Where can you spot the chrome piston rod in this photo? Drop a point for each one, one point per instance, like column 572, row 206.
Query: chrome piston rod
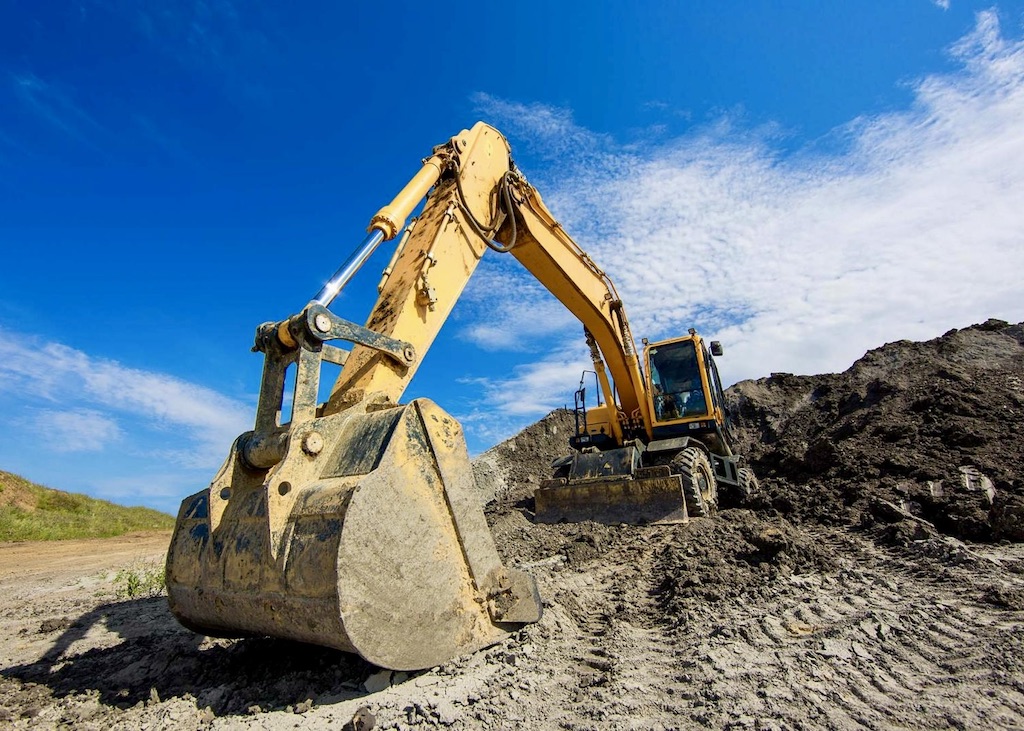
column 389, row 221
column 341, row 277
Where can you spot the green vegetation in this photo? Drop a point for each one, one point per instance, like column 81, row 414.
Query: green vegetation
column 30, row 512
column 139, row 582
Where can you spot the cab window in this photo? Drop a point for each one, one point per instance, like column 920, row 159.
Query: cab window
column 675, row 375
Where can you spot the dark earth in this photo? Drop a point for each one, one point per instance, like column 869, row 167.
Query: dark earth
column 876, row 581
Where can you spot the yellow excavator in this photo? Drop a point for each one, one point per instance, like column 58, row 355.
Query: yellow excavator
column 663, row 465
column 355, row 523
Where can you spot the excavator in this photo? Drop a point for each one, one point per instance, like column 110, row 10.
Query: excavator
column 355, row 523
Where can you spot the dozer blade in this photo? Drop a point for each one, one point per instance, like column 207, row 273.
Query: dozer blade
column 367, row 536
column 611, row 487
column 635, row 501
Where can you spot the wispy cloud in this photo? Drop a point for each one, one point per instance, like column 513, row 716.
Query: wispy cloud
column 55, row 106
column 497, row 318
column 64, row 391
column 800, row 262
column 213, row 38
column 213, row 42
column 508, row 404
column 74, row 430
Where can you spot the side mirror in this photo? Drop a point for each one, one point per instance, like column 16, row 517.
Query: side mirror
column 716, row 348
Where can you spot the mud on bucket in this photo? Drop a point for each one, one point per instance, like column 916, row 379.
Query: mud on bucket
column 374, row 544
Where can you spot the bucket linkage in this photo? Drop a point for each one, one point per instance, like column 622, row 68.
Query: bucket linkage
column 360, row 530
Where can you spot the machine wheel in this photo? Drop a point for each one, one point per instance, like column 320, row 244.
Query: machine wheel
column 699, row 485
column 749, row 486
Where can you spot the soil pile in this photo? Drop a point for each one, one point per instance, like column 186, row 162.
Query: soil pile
column 31, row 512
column 786, row 613
column 509, row 472
column 914, row 437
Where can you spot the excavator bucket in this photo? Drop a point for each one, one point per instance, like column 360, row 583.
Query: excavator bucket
column 365, row 535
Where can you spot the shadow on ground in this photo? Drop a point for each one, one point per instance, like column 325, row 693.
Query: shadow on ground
column 157, row 659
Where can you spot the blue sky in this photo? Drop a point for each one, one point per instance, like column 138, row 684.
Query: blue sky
column 801, row 180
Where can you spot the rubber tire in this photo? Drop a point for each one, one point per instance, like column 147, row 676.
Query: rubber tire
column 699, row 485
column 749, row 486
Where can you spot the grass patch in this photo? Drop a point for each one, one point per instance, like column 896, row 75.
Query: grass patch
column 139, row 582
column 30, row 512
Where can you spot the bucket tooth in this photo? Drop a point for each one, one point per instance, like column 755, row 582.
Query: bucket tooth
column 376, row 545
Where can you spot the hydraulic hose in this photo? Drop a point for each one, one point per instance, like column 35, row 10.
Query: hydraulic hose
column 504, row 202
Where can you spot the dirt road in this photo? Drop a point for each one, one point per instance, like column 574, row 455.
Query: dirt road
column 47, row 559
column 737, row 622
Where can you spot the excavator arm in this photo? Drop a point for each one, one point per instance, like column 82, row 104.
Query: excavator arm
column 435, row 258
column 544, row 248
column 480, row 199
column 355, row 523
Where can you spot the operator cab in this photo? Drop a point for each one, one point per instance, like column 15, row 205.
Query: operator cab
column 686, row 396
column 678, row 390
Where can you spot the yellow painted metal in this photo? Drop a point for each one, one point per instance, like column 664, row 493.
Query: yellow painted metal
column 550, row 254
column 614, row 500
column 358, row 525
column 391, row 218
column 376, row 545
column 716, row 410
column 610, row 414
column 285, row 336
column 394, row 257
column 597, row 418
column 365, row 532
column 599, row 421
column 441, row 254
column 431, row 271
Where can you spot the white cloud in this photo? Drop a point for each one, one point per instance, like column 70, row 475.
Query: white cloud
column 802, row 262
column 508, row 311
column 55, row 106
column 91, row 391
column 74, row 430
column 508, row 404
column 550, row 130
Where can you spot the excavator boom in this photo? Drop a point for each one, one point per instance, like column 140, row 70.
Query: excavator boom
column 355, row 523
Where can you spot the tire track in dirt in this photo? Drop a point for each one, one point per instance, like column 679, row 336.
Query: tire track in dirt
column 701, row 625
column 874, row 646
column 740, row 621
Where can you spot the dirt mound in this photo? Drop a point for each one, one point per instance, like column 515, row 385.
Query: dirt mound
column 31, row 512
column 738, row 559
column 912, row 441
column 928, row 432
column 509, row 472
column 833, row 601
